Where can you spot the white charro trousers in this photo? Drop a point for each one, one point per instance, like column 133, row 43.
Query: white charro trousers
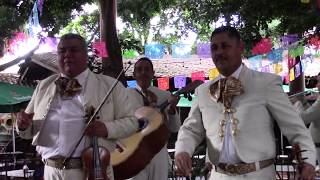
column 157, row 169
column 51, row 173
column 267, row 173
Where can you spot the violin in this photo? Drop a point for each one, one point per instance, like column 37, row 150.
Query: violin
column 95, row 158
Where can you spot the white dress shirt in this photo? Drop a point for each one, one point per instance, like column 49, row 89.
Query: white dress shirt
column 64, row 124
column 228, row 153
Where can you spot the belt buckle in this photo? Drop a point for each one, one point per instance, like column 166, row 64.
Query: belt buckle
column 232, row 168
column 59, row 163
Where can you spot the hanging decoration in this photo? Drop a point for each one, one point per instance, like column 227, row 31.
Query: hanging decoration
column 130, row 54
column 48, row 44
column 180, row 81
column 288, row 40
column 100, row 49
column 163, row 83
column 33, row 23
column 291, row 62
column 14, row 44
column 181, row 50
column 297, row 51
column 275, row 55
column 154, row 51
column 40, row 6
column 203, row 50
column 277, row 68
column 213, row 73
column 297, row 70
column 262, row 47
column 291, row 74
column 255, row 62
column 314, row 42
column 198, row 76
column 265, row 68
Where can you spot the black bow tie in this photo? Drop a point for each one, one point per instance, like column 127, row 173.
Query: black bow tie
column 68, row 88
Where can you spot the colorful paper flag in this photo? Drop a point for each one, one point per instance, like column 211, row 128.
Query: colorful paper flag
column 198, row 76
column 287, row 79
column 203, row 50
column 277, row 68
column 101, row 49
column 291, row 75
column 163, row 83
column 180, row 81
column 275, row 55
column 265, row 69
column 255, row 62
column 213, row 73
column 154, row 51
column 129, row 54
column 289, row 39
column 297, row 69
column 181, row 50
column 40, row 6
column 291, row 62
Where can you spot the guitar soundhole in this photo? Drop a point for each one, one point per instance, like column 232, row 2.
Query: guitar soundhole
column 143, row 123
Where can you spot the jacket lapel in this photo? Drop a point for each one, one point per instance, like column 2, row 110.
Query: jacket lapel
column 244, row 79
column 49, row 94
column 90, row 96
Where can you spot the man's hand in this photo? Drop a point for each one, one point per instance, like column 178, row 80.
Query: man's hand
column 308, row 172
column 173, row 100
column 97, row 128
column 183, row 164
column 24, row 120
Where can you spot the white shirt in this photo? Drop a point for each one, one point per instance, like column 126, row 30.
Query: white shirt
column 228, row 153
column 64, row 124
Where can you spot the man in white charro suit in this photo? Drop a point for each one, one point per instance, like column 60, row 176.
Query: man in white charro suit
column 147, row 95
column 55, row 116
column 312, row 116
column 236, row 113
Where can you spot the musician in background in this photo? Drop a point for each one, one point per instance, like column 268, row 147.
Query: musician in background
column 235, row 113
column 311, row 115
column 148, row 95
column 55, row 116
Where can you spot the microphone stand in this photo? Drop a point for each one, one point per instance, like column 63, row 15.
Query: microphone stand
column 94, row 115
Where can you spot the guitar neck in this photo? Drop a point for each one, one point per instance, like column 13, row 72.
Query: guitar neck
column 163, row 105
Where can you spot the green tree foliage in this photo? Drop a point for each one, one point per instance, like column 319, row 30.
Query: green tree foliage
column 252, row 17
column 129, row 42
column 86, row 25
column 138, row 13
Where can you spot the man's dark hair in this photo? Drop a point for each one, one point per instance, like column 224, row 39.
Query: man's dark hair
column 144, row 59
column 69, row 36
column 232, row 32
